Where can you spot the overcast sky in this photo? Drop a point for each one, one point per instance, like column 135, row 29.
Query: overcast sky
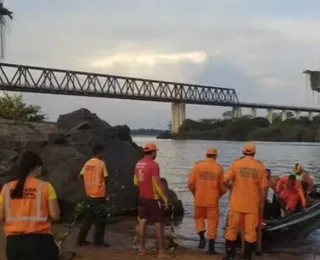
column 260, row 48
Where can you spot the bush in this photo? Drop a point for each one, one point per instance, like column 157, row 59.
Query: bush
column 256, row 129
column 13, row 108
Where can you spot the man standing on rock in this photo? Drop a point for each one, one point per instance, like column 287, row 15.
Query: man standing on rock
column 94, row 175
column 152, row 198
column 207, row 186
column 246, row 200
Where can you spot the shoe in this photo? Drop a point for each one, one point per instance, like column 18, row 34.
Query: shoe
column 248, row 250
column 230, row 250
column 202, row 241
column 211, row 250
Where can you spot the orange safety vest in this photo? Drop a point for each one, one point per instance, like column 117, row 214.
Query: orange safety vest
column 93, row 178
column 28, row 215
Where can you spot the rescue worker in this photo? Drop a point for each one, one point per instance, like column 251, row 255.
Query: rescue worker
column 272, row 207
column 304, row 178
column 94, row 175
column 290, row 191
column 27, row 206
column 272, row 180
column 152, row 198
column 246, row 200
column 207, row 186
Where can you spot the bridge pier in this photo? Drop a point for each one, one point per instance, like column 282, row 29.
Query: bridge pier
column 253, row 112
column 283, row 115
column 298, row 115
column 236, row 112
column 270, row 115
column 178, row 115
column 310, row 116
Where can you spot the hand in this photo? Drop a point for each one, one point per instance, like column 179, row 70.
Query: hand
column 166, row 205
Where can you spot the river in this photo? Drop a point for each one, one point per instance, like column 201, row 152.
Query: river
column 176, row 157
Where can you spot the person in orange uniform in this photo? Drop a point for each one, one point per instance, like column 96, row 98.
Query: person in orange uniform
column 95, row 177
column 290, row 191
column 207, row 186
column 304, row 178
column 152, row 198
column 26, row 207
column 246, row 200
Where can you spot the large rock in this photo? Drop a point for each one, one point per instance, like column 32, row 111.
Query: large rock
column 64, row 149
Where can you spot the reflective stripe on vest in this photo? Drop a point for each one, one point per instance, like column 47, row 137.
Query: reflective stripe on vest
column 96, row 181
column 300, row 177
column 37, row 217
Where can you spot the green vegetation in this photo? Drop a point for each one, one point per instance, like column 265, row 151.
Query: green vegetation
column 255, row 129
column 13, row 107
column 142, row 131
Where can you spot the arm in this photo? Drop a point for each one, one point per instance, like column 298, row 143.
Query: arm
column 222, row 186
column 156, row 182
column 309, row 181
column 53, row 206
column 135, row 178
column 301, row 195
column 192, row 180
column 229, row 176
column 105, row 173
column 263, row 185
column 279, row 185
column 2, row 209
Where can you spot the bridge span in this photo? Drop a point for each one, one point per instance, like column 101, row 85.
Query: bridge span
column 24, row 78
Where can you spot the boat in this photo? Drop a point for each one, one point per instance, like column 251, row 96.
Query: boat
column 301, row 223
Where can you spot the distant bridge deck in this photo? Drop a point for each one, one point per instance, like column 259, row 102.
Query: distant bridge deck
column 278, row 107
column 23, row 78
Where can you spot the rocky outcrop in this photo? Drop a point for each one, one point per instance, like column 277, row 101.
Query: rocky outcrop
column 64, row 147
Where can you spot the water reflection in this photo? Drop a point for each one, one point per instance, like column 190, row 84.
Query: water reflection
column 177, row 157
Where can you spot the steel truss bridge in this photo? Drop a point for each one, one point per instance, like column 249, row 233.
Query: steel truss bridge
column 23, row 78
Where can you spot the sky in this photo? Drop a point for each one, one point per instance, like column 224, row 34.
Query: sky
column 259, row 48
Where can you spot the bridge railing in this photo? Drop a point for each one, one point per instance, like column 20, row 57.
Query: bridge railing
column 22, row 78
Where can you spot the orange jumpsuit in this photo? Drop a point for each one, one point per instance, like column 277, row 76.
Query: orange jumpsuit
column 248, row 182
column 206, row 184
column 291, row 195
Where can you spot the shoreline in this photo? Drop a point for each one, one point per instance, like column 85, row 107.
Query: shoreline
column 120, row 236
column 228, row 140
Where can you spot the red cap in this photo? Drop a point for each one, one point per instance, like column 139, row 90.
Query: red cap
column 150, row 147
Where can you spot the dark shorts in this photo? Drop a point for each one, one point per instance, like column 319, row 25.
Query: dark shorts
column 31, row 247
column 152, row 210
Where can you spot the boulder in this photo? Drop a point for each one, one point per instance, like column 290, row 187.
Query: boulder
column 64, row 148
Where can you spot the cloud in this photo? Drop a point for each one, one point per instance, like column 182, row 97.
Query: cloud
column 147, row 59
column 258, row 48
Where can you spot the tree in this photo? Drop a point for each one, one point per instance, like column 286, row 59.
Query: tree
column 4, row 12
column 13, row 107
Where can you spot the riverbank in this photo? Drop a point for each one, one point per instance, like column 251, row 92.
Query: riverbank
column 120, row 236
column 251, row 129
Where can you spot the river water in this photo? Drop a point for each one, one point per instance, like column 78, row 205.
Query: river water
column 176, row 158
